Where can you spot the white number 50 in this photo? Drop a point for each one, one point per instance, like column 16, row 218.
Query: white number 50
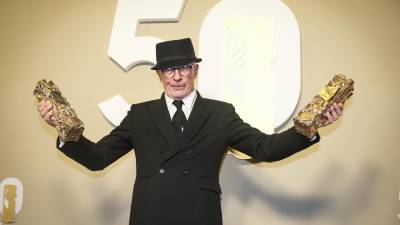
column 253, row 47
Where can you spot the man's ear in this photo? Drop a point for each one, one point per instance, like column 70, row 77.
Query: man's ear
column 195, row 70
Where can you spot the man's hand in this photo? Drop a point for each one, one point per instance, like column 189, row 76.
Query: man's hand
column 333, row 113
column 46, row 112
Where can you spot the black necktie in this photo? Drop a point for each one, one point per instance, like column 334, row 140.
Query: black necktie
column 179, row 118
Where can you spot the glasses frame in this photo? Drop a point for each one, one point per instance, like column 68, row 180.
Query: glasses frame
column 180, row 69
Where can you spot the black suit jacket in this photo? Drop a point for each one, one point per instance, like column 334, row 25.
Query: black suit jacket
column 177, row 179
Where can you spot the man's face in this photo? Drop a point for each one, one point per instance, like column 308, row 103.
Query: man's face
column 177, row 84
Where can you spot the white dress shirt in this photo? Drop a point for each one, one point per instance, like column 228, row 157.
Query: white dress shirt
column 188, row 103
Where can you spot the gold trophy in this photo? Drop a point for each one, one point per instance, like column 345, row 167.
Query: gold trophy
column 69, row 127
column 311, row 117
column 8, row 215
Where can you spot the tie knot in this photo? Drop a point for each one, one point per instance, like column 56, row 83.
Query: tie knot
column 178, row 103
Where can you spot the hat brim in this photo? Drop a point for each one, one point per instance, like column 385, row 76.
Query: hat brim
column 175, row 62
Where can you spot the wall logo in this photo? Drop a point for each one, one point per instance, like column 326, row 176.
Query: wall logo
column 251, row 55
column 247, row 49
column 11, row 195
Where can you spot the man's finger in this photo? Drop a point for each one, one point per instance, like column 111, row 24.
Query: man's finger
column 49, row 105
column 328, row 118
column 48, row 115
column 328, row 115
column 40, row 105
column 43, row 111
column 339, row 109
column 332, row 112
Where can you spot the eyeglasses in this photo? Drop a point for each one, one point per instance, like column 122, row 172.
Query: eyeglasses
column 183, row 70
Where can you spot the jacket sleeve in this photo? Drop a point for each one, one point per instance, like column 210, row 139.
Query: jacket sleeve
column 261, row 146
column 97, row 156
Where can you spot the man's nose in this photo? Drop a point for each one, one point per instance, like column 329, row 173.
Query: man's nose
column 177, row 75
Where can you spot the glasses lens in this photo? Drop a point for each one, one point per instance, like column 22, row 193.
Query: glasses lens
column 168, row 72
column 183, row 70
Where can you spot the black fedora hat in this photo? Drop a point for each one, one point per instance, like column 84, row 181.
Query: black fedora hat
column 175, row 53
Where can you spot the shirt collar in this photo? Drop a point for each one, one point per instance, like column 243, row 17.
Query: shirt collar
column 188, row 101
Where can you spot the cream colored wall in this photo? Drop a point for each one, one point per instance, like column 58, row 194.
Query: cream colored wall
column 350, row 177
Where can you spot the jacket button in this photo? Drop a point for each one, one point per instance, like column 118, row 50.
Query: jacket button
column 162, row 170
column 185, row 172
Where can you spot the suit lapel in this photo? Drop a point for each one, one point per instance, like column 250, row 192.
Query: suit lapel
column 196, row 120
column 162, row 120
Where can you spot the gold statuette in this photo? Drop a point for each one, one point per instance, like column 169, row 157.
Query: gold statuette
column 8, row 215
column 66, row 122
column 311, row 117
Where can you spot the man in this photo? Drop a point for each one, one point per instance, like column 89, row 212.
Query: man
column 179, row 141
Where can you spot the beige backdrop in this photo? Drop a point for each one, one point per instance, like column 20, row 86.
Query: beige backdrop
column 350, row 177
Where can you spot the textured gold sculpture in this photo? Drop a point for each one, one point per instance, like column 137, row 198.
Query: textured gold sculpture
column 311, row 117
column 66, row 122
column 8, row 215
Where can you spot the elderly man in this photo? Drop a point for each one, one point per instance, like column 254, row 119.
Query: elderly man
column 180, row 141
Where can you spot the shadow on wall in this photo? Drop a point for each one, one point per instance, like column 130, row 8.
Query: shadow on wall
column 336, row 196
column 104, row 205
